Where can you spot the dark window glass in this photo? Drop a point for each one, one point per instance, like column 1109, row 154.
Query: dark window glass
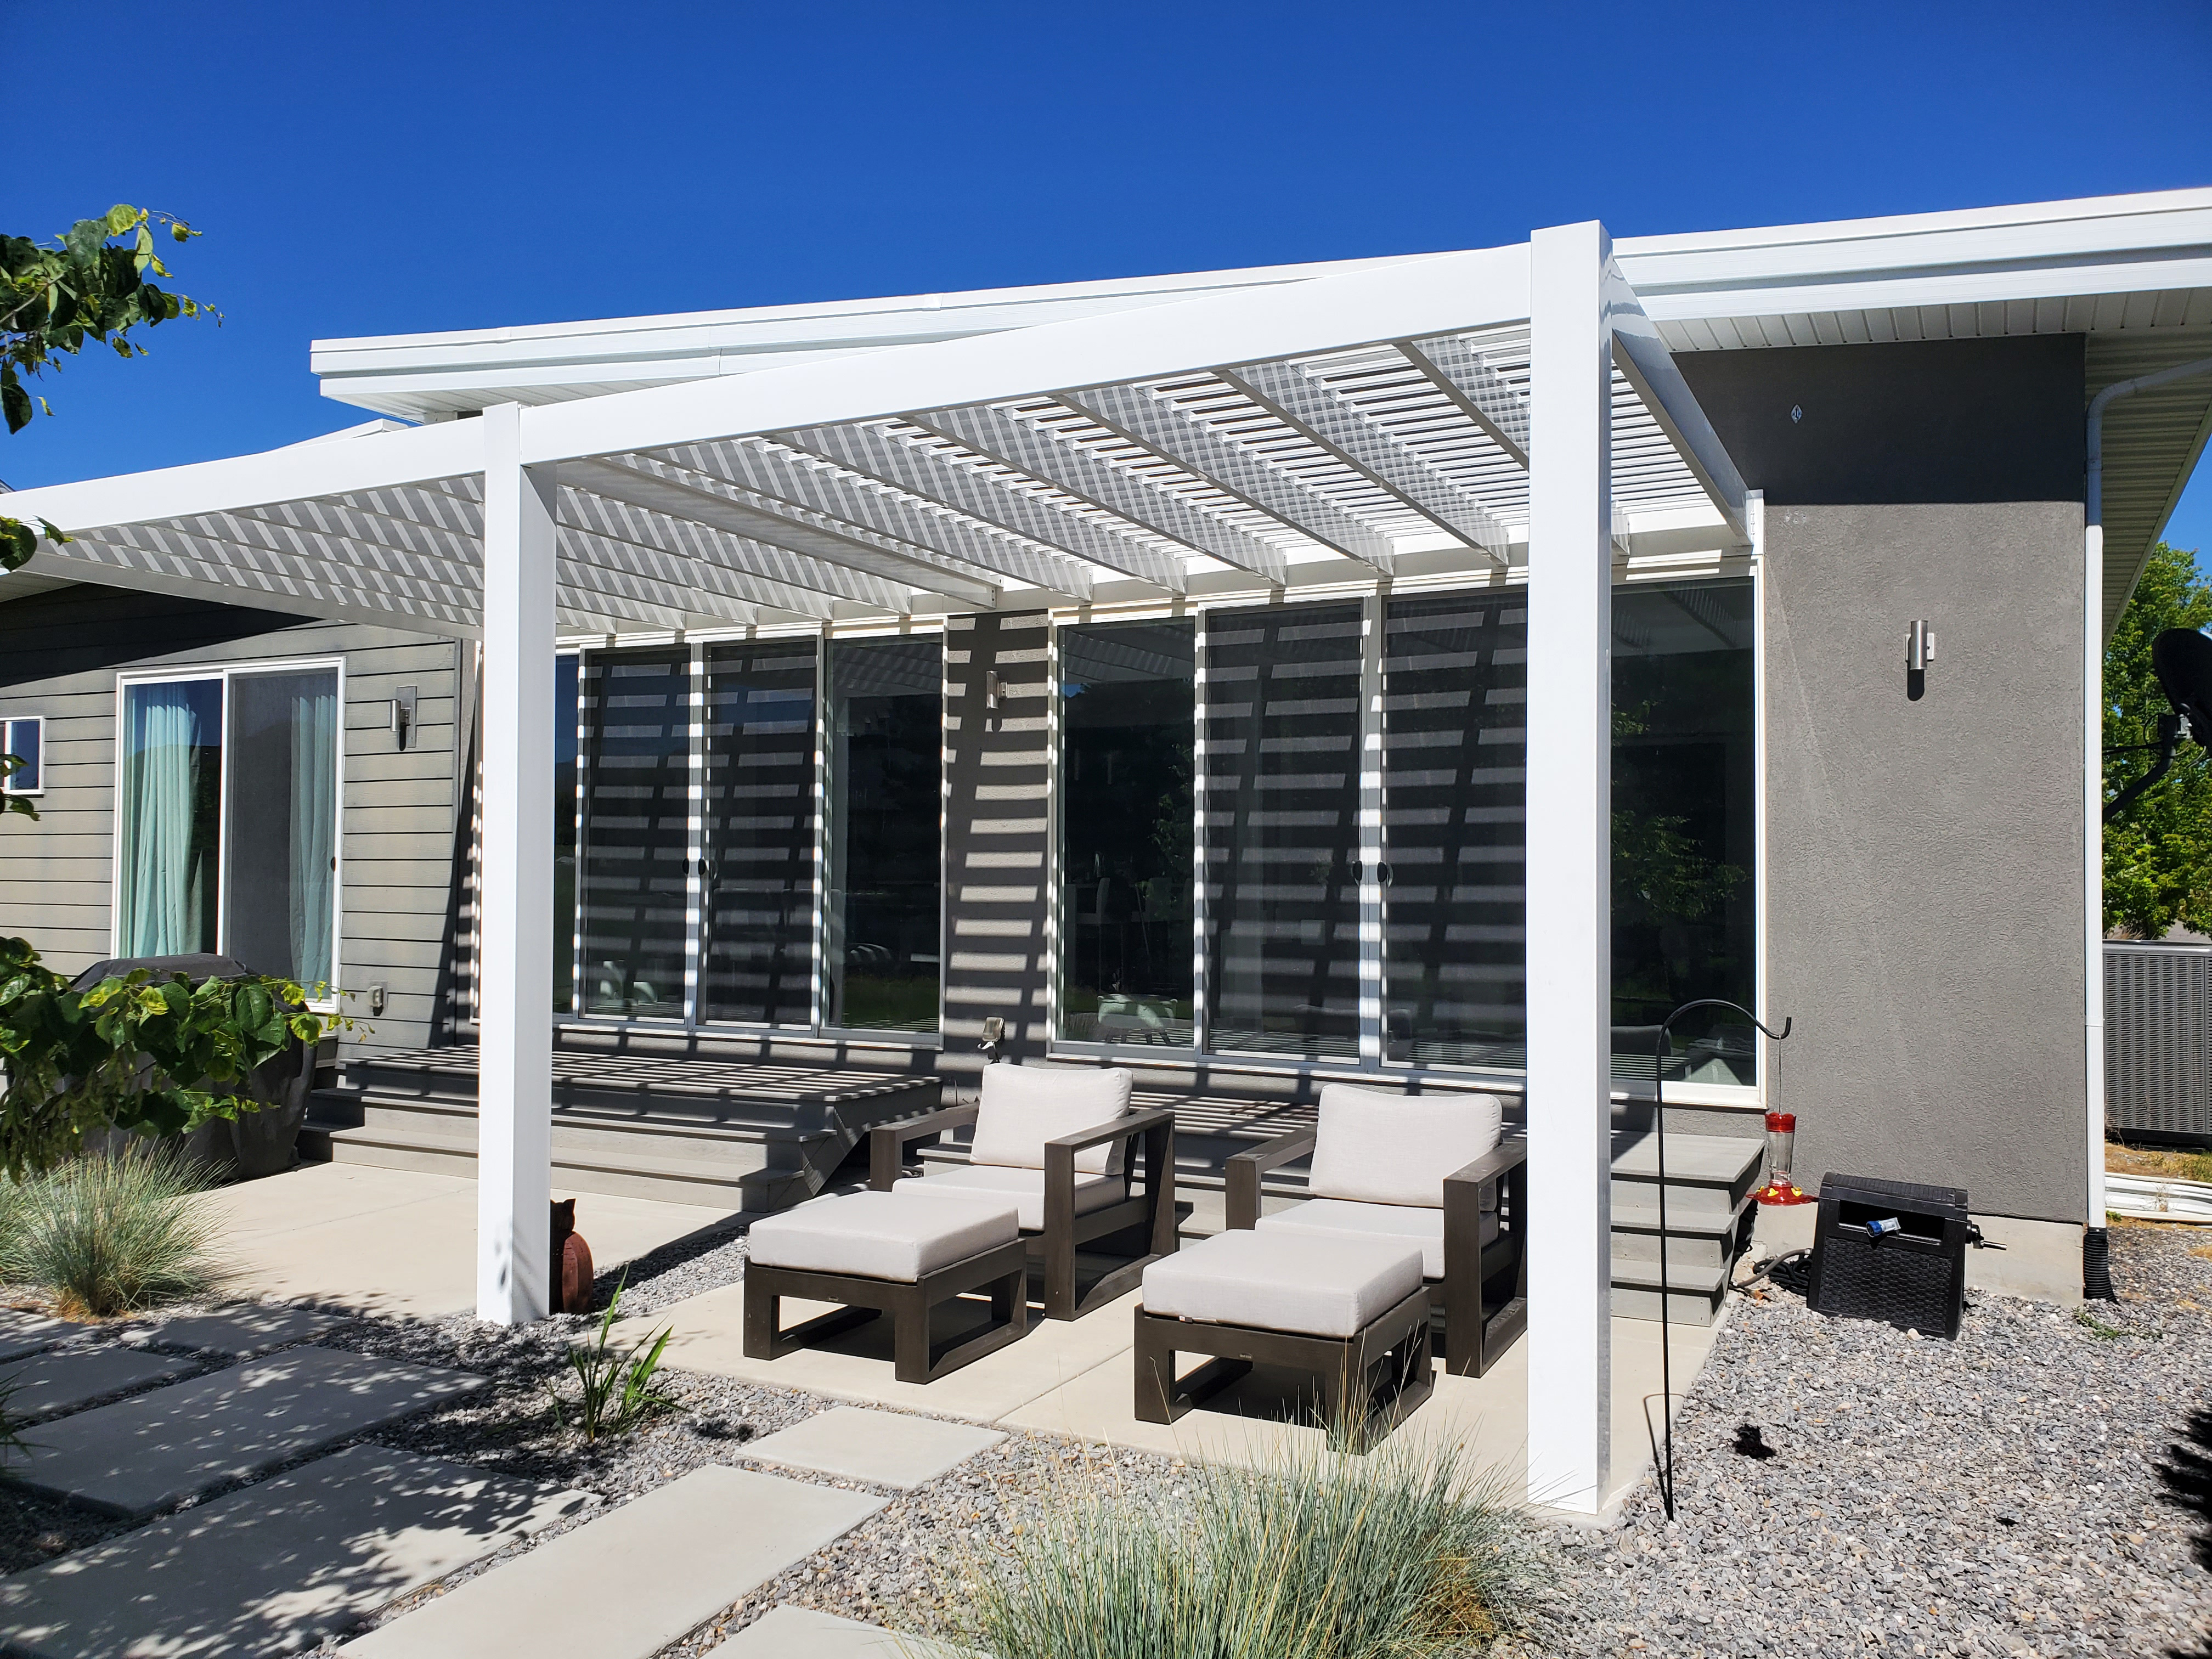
column 283, row 823
column 1683, row 925
column 564, row 834
column 636, row 838
column 172, row 818
column 22, row 740
column 883, row 922
column 756, row 944
column 1126, row 829
column 1455, row 679
column 1282, row 830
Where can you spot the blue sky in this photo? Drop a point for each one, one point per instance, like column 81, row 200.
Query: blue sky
column 362, row 170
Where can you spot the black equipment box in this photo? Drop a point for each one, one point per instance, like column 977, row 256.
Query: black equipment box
column 1913, row 1277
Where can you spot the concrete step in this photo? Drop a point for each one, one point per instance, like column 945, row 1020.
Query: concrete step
column 1694, row 1294
column 724, row 1184
column 1706, row 1174
column 1699, row 1238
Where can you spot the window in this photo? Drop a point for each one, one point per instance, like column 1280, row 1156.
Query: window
column 883, row 918
column 229, row 807
column 1128, row 694
column 566, row 723
column 25, row 739
column 1320, row 875
column 710, row 883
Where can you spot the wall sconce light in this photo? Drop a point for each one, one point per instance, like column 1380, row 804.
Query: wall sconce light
column 1919, row 652
column 991, row 698
column 403, row 716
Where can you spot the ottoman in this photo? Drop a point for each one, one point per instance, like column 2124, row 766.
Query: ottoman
column 894, row 1253
column 1352, row 1313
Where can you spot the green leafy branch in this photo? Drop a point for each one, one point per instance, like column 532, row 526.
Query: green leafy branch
column 134, row 1053
column 9, row 765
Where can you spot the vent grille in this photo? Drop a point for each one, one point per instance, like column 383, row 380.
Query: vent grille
column 2158, row 1039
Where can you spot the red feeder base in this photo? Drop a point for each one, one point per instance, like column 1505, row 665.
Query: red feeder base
column 1784, row 1191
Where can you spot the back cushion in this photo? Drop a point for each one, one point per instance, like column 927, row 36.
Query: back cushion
column 1397, row 1149
column 1025, row 1106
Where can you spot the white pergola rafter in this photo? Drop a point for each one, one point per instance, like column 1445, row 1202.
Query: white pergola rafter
column 1149, row 418
column 1013, row 442
column 1314, row 408
column 1457, row 370
column 876, row 453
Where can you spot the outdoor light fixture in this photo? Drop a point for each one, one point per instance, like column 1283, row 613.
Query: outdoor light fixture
column 1919, row 652
column 403, row 716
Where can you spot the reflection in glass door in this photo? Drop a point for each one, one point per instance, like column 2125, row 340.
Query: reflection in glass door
column 283, row 753
column 1282, row 850
column 757, row 917
column 635, row 860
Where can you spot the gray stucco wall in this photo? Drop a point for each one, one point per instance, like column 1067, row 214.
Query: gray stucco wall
column 1924, row 901
column 60, row 654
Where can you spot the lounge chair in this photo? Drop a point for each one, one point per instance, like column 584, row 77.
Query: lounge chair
column 1056, row 1141
column 1429, row 1171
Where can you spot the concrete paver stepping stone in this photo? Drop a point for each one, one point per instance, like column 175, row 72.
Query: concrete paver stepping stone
column 244, row 1334
column 140, row 1454
column 884, row 1449
column 277, row 1567
column 790, row 1632
column 24, row 1333
column 626, row 1583
column 49, row 1382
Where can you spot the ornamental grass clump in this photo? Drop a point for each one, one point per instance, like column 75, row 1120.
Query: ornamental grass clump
column 111, row 1233
column 1399, row 1554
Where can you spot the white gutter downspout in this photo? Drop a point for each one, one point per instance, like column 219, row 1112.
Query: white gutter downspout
column 2092, row 768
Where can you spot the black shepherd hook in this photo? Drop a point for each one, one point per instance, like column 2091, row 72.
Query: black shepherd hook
column 1659, row 1116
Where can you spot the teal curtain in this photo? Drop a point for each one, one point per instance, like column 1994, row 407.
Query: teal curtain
column 167, row 855
column 314, row 825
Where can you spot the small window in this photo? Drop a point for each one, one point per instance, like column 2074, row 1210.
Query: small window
column 25, row 739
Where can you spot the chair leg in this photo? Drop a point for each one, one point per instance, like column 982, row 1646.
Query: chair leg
column 910, row 1338
column 763, row 1314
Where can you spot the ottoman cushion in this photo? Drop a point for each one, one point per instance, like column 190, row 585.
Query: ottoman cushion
column 1304, row 1283
column 1024, row 1189
column 893, row 1236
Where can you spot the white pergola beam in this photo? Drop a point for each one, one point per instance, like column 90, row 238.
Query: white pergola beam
column 1152, row 421
column 1012, row 441
column 514, row 951
column 1433, row 295
column 1456, row 370
column 804, row 482
column 655, row 487
column 877, row 455
column 1642, row 357
column 1568, row 881
column 1328, row 419
column 590, row 525
column 305, row 573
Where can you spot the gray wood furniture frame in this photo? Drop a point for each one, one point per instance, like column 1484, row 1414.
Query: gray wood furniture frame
column 1395, row 1345
column 1003, row 1269
column 1483, row 1294
column 1154, row 1209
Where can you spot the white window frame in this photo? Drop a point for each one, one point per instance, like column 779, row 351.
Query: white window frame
column 696, row 641
column 1371, row 1064
column 224, row 673
column 7, row 724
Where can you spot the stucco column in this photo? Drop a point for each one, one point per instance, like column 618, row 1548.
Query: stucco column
column 514, row 906
column 1570, row 852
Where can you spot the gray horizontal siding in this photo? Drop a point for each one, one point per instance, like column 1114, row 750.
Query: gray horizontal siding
column 60, row 654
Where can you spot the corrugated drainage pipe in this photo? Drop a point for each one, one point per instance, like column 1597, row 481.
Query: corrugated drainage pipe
column 2096, row 1243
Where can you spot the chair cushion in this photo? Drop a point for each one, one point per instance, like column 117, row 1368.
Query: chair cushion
column 1397, row 1149
column 896, row 1235
column 1022, row 1188
column 1410, row 1226
column 1284, row 1281
column 1025, row 1106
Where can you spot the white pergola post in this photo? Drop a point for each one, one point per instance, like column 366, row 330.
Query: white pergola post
column 514, row 905
column 1569, row 850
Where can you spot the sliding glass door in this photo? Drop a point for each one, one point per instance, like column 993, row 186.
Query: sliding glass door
column 711, row 885
column 229, row 838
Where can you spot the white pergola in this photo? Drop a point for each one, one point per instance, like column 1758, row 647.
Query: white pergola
column 1504, row 410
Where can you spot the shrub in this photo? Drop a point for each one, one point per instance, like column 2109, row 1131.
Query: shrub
column 1395, row 1555
column 111, row 1232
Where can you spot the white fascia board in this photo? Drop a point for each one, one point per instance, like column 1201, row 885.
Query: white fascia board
column 1431, row 295
column 1907, row 293
column 2096, row 230
column 414, row 455
column 1642, row 356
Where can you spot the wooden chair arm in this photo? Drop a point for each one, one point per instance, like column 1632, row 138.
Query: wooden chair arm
column 1507, row 1154
column 1245, row 1168
column 887, row 1142
column 1133, row 1124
